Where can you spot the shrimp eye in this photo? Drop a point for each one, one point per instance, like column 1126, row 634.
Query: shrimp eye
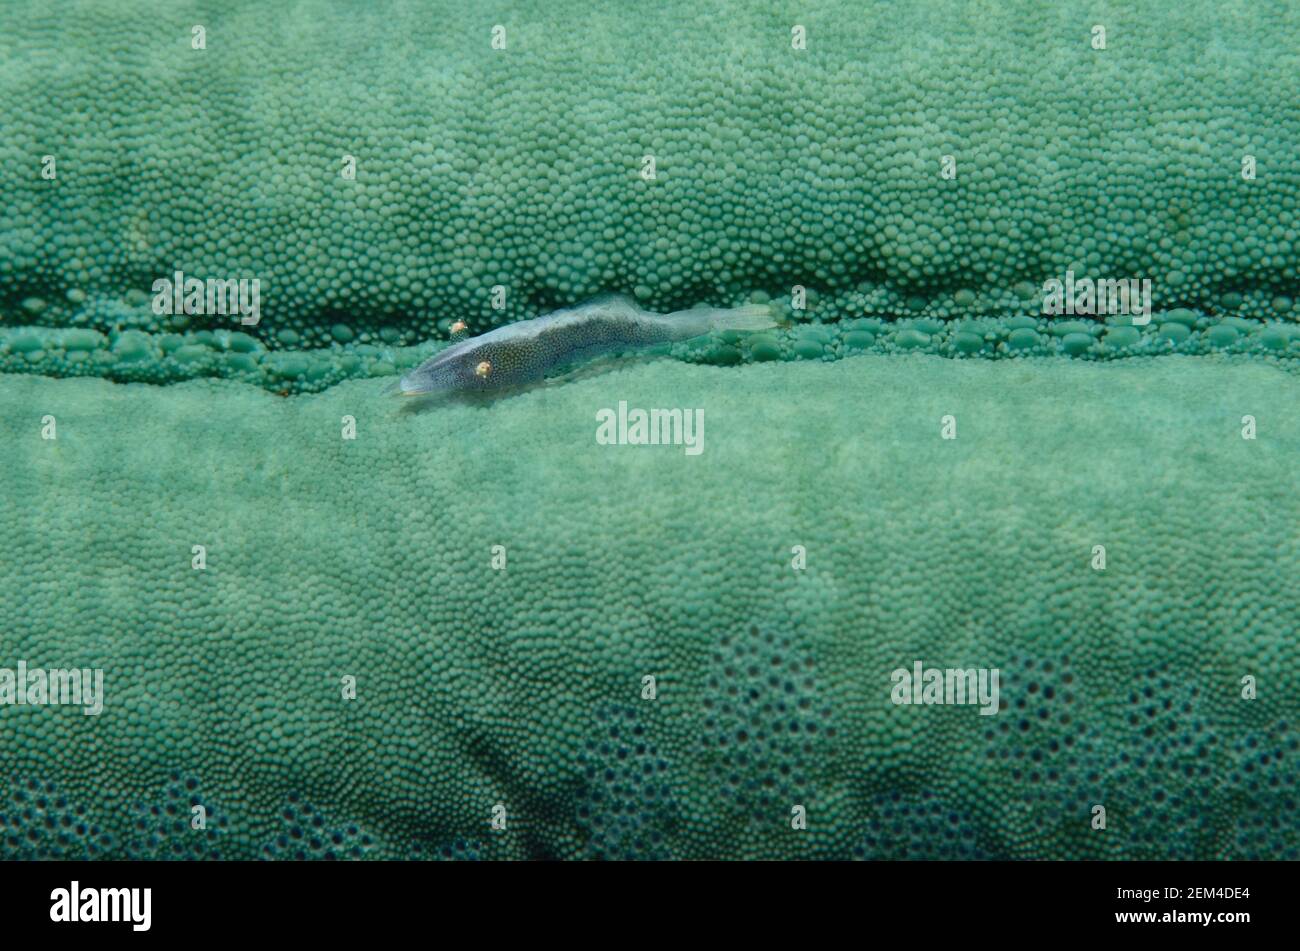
column 483, row 369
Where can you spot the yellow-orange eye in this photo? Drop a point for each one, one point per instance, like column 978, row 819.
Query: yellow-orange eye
column 459, row 327
column 483, row 369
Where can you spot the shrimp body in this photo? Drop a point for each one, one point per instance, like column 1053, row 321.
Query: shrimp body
column 527, row 351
